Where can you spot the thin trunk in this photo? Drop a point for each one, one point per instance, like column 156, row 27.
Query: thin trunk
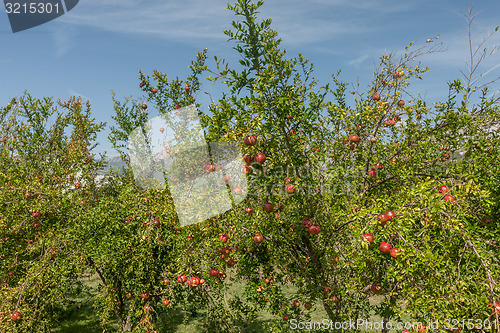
column 118, row 310
column 392, row 302
column 321, row 278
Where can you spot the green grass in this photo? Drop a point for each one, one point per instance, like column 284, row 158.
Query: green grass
column 83, row 318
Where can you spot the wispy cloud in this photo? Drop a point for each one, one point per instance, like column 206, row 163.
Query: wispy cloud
column 63, row 40
column 371, row 5
column 182, row 20
column 71, row 92
column 194, row 20
column 492, row 69
column 356, row 62
column 457, row 47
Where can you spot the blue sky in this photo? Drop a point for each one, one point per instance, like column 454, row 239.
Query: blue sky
column 100, row 46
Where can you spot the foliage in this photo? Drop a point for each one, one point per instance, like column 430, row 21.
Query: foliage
column 333, row 172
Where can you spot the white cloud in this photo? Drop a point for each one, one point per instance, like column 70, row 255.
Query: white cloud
column 63, row 40
column 71, row 92
column 356, row 62
column 492, row 69
column 197, row 20
column 457, row 48
column 191, row 19
column 368, row 5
